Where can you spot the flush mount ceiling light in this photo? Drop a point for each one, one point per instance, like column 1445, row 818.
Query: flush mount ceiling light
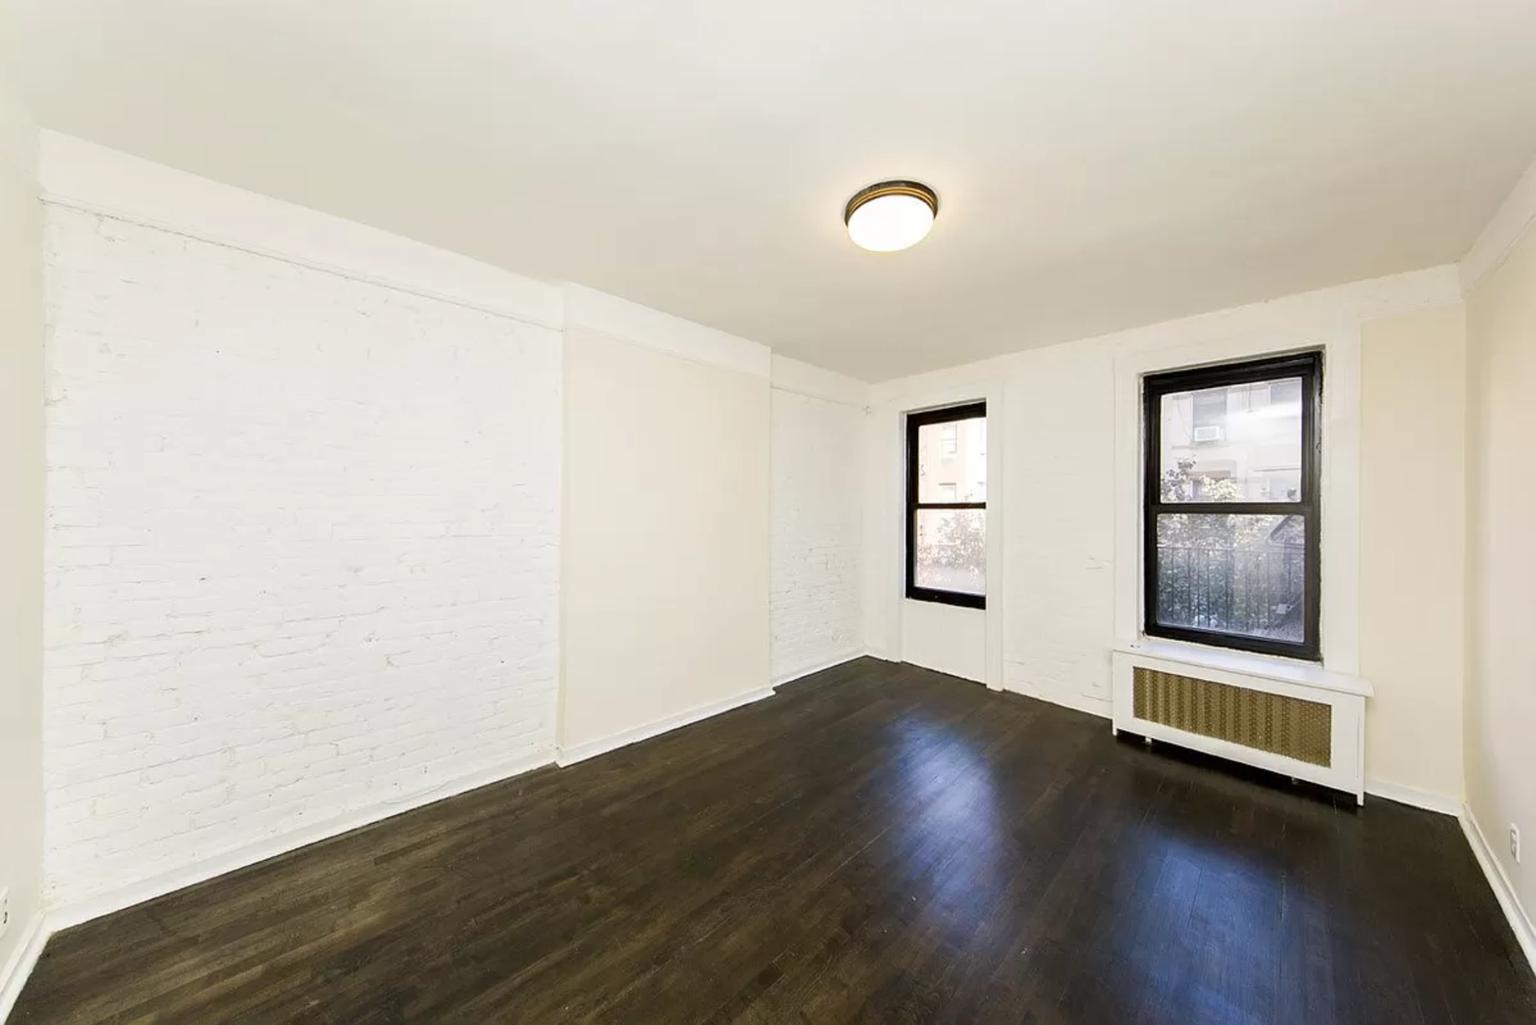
column 892, row 215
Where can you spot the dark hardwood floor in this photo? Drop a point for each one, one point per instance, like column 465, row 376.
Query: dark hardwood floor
column 876, row 844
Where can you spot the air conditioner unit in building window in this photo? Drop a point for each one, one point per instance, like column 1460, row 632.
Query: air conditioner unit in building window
column 1211, row 432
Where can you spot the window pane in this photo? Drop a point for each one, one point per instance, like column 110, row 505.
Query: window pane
column 952, row 461
column 1236, row 574
column 1237, row 443
column 952, row 550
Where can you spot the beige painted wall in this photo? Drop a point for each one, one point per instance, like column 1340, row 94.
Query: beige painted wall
column 1412, row 551
column 1501, row 550
column 664, row 536
column 21, row 520
column 1060, row 560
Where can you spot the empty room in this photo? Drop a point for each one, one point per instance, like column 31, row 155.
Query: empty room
column 523, row 513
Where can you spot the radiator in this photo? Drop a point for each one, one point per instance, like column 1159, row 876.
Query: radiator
column 1289, row 718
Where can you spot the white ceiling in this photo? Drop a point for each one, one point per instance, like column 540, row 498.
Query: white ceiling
column 1100, row 165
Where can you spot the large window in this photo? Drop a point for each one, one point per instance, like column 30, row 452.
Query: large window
column 947, row 505
column 1231, row 525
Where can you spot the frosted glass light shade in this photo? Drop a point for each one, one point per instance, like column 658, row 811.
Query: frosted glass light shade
column 891, row 216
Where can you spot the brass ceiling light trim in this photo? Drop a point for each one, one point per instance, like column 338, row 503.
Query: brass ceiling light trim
column 892, row 188
column 891, row 215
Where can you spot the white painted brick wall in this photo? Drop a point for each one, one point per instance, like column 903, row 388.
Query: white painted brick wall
column 817, row 456
column 302, row 548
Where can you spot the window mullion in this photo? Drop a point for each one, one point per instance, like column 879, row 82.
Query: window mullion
column 1232, row 508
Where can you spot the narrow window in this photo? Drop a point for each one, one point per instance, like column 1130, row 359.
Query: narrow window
column 1231, row 508
column 947, row 505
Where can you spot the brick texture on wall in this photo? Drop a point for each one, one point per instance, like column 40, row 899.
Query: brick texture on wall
column 1058, row 540
column 302, row 548
column 817, row 457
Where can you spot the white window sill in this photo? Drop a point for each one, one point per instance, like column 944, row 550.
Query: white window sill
column 1270, row 667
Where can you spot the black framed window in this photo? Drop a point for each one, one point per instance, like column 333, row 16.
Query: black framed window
column 947, row 505
column 1231, row 527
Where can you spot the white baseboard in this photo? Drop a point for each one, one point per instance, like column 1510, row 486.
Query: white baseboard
column 1425, row 799
column 21, row 963
column 76, row 912
column 817, row 666
column 591, row 749
column 1519, row 921
column 1077, row 702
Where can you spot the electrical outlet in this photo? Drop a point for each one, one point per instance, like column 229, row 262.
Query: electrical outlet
column 1514, row 842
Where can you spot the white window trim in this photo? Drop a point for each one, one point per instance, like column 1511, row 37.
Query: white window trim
column 885, row 525
column 1339, row 628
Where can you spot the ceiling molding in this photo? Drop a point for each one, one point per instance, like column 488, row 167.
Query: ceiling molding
column 1285, row 322
column 1502, row 233
column 801, row 378
column 619, row 318
column 84, row 176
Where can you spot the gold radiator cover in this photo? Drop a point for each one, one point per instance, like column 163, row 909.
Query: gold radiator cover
column 1281, row 725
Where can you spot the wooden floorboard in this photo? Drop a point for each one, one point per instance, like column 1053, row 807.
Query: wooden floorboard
column 878, row 843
